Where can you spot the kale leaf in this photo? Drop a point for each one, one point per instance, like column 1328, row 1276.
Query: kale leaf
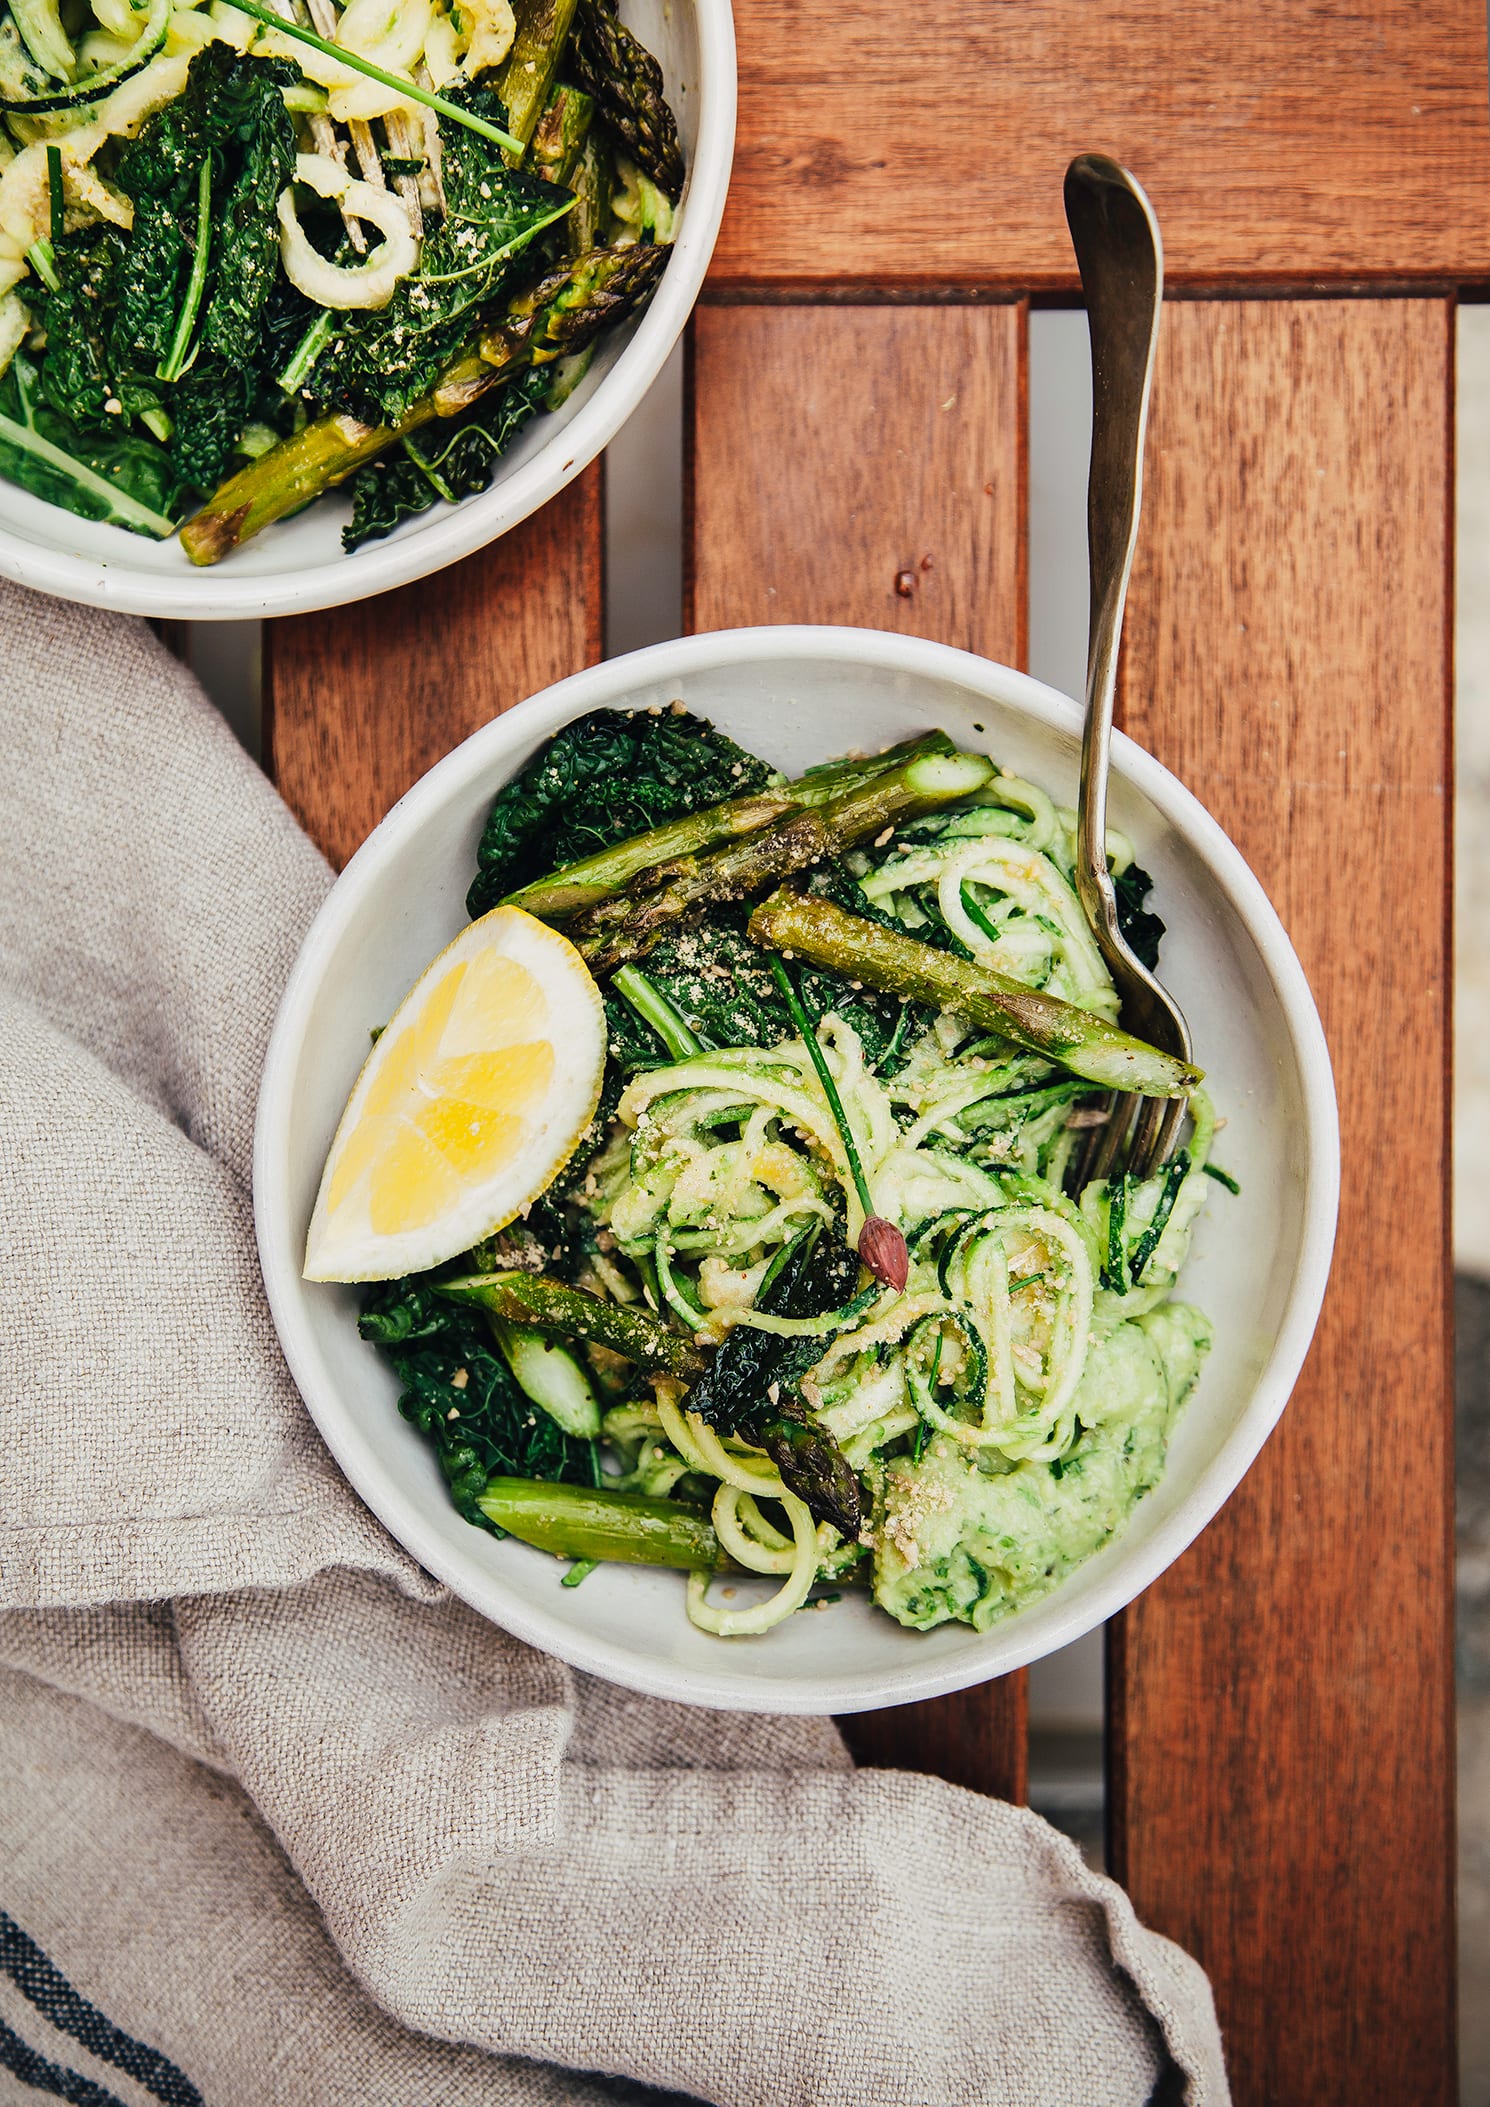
column 75, row 371
column 1142, row 929
column 246, row 258
column 751, row 1387
column 451, row 459
column 109, row 474
column 231, row 112
column 150, row 286
column 226, row 108
column 608, row 775
column 210, row 405
column 383, row 360
column 461, row 1395
column 723, row 988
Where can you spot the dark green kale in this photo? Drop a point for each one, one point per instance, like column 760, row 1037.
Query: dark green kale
column 226, row 109
column 722, row 986
column 603, row 778
column 460, row 1394
column 383, row 360
column 751, row 1387
column 246, row 251
column 1143, row 930
column 210, row 405
column 111, row 473
column 283, row 321
column 162, row 161
column 450, row 459
column 75, row 372
column 150, row 288
column 113, row 317
column 232, row 115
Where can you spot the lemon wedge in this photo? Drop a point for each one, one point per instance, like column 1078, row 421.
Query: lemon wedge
column 468, row 1106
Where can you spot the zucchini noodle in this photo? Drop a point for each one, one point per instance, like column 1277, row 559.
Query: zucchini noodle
column 744, row 1532
column 793, row 1592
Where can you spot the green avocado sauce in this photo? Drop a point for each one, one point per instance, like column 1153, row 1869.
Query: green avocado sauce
column 952, row 1541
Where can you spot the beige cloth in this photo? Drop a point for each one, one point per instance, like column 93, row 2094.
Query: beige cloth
column 284, row 1815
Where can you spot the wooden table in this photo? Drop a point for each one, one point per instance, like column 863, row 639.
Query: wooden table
column 1280, row 1752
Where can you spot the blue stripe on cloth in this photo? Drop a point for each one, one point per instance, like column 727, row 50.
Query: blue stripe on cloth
column 40, row 1981
column 56, row 2078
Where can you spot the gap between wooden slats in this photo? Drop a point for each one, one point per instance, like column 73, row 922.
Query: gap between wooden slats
column 1280, row 1703
column 1278, row 141
column 869, row 466
column 361, row 700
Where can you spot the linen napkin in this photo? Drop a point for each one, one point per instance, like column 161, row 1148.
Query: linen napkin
column 282, row 1823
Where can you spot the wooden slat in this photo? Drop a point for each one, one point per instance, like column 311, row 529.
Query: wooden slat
column 1283, row 140
column 862, row 465
column 361, row 700
column 834, row 452
column 978, row 1738
column 1281, row 1701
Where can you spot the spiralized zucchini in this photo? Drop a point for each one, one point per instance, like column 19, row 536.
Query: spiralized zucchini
column 997, row 1377
column 129, row 61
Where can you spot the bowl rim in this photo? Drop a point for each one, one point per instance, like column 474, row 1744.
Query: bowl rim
column 214, row 594
column 402, row 1514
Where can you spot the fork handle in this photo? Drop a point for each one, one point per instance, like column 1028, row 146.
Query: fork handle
column 1121, row 260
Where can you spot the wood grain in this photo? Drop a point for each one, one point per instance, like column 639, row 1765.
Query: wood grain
column 978, row 1738
column 835, row 450
column 862, row 465
column 1281, row 1702
column 1289, row 140
column 361, row 700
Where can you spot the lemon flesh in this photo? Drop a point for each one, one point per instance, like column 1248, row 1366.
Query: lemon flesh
column 468, row 1106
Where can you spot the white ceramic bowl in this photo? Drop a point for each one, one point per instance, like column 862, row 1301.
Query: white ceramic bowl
column 1259, row 1264
column 300, row 564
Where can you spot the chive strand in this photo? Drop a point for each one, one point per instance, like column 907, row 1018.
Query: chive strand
column 1117, row 1210
column 975, row 914
column 808, row 1034
column 55, row 200
column 175, row 361
column 1148, row 1243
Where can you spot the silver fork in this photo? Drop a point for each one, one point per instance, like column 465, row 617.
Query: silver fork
column 1121, row 259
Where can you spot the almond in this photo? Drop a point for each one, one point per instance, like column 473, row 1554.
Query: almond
column 882, row 1248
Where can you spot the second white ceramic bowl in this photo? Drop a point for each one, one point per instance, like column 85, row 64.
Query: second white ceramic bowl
column 1258, row 1268
column 299, row 564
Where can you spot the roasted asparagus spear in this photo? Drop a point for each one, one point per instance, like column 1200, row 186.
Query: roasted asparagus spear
column 533, row 1299
column 626, row 82
column 530, row 67
column 601, row 876
column 626, row 926
column 592, row 182
column 574, row 1521
column 805, row 926
column 553, row 319
column 559, row 137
